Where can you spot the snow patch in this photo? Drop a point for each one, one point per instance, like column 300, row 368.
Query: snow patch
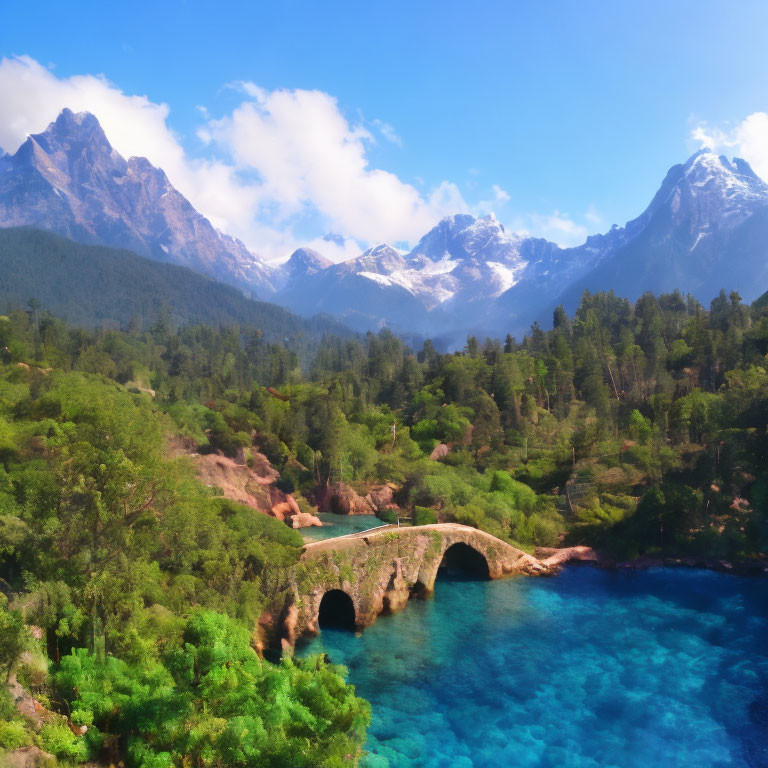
column 698, row 239
column 505, row 277
column 376, row 277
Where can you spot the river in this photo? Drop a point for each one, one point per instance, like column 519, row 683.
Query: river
column 339, row 525
column 666, row 667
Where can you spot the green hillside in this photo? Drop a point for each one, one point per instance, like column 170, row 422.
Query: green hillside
column 90, row 285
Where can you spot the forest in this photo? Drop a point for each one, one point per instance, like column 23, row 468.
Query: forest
column 130, row 591
column 95, row 286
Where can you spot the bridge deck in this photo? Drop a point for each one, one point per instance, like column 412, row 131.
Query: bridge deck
column 351, row 540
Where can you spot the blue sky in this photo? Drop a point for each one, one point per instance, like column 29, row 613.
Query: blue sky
column 562, row 117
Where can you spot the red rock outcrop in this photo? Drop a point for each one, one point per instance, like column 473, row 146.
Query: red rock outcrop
column 252, row 485
column 440, row 452
column 27, row 705
column 342, row 499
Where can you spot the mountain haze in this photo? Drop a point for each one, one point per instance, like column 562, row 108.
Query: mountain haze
column 706, row 229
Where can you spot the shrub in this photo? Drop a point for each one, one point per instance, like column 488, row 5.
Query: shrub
column 59, row 740
column 387, row 515
column 14, row 637
column 424, row 516
column 212, row 702
column 13, row 735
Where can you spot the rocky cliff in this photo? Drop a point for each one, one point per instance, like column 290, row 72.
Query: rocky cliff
column 252, row 484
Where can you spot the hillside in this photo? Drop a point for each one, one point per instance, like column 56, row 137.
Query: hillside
column 93, row 286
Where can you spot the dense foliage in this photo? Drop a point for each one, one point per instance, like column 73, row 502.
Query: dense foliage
column 638, row 429
column 97, row 286
column 211, row 701
column 147, row 589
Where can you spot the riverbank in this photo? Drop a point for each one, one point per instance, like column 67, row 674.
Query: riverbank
column 554, row 558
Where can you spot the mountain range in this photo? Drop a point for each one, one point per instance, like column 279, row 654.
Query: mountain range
column 705, row 229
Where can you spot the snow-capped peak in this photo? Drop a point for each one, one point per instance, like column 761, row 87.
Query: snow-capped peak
column 717, row 173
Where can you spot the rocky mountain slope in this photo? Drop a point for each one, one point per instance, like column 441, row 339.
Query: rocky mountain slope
column 705, row 229
column 69, row 180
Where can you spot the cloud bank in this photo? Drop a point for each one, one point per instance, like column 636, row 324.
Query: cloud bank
column 281, row 165
column 308, row 155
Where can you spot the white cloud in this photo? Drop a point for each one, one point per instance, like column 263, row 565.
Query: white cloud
column 309, row 156
column 309, row 163
column 558, row 227
column 501, row 195
column 281, row 164
column 747, row 139
column 388, row 132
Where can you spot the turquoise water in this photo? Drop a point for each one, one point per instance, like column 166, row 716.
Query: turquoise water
column 590, row 668
column 339, row 525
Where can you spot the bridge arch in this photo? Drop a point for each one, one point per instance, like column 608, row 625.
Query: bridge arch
column 465, row 559
column 336, row 611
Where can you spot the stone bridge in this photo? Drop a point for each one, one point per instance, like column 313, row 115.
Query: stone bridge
column 351, row 580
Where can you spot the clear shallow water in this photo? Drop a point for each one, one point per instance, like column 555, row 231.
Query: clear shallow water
column 591, row 668
column 339, row 525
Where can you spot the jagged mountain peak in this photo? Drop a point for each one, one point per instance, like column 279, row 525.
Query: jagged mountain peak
column 451, row 226
column 463, row 238
column 455, row 222
column 705, row 165
column 711, row 176
column 309, row 256
column 71, row 181
column 69, row 123
column 380, row 258
column 72, row 130
column 304, row 262
column 743, row 168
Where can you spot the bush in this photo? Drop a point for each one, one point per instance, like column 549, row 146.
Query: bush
column 424, row 516
column 7, row 707
column 33, row 672
column 14, row 637
column 59, row 740
column 13, row 735
column 387, row 515
column 208, row 703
